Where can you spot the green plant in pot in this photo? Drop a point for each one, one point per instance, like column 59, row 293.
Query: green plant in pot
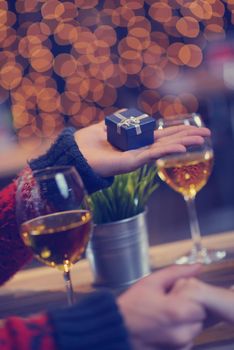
column 127, row 197
column 118, row 249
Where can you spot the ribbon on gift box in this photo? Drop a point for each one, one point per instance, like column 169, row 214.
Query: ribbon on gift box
column 129, row 121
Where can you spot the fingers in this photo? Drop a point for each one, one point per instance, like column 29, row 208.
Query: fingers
column 158, row 151
column 193, row 311
column 186, row 130
column 182, row 336
column 187, row 347
column 165, row 278
column 140, row 157
column 184, row 310
column 184, row 140
column 137, row 344
column 162, row 149
column 179, row 285
column 219, row 301
column 192, row 289
column 167, row 142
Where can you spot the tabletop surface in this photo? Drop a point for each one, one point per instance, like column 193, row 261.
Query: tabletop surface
column 39, row 288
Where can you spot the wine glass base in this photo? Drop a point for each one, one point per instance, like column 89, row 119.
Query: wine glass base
column 202, row 256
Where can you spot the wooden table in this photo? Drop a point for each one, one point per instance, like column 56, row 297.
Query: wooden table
column 41, row 288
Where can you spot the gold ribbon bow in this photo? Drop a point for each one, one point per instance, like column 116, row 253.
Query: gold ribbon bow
column 128, row 121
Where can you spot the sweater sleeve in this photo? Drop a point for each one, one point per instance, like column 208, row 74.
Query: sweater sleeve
column 33, row 333
column 66, row 152
column 93, row 323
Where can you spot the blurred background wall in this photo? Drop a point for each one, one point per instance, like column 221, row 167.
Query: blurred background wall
column 73, row 62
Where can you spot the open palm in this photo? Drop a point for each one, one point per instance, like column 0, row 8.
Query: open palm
column 107, row 160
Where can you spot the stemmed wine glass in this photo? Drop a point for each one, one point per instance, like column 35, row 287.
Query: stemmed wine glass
column 54, row 217
column 187, row 173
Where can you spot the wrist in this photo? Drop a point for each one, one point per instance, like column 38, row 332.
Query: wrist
column 131, row 322
column 93, row 323
column 65, row 151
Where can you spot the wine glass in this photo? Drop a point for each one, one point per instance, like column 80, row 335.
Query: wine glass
column 54, row 218
column 187, row 173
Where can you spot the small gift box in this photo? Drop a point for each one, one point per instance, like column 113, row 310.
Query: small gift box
column 130, row 129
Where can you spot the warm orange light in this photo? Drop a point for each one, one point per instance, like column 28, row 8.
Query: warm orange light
column 188, row 26
column 201, row 9
column 107, row 34
column 170, row 70
column 214, row 32
column 52, row 9
column 190, row 55
column 148, row 101
column 139, row 27
column 153, row 54
column 41, row 59
column 64, row 65
column 152, row 76
column 118, row 78
column 218, row 8
column 70, row 103
column 10, row 75
column 173, row 53
column 189, row 101
column 160, row 12
column 86, row 4
column 132, row 62
column 109, row 96
column 65, row 34
column 121, row 16
column 101, row 48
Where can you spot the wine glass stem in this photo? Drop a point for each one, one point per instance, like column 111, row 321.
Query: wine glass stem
column 69, row 288
column 194, row 225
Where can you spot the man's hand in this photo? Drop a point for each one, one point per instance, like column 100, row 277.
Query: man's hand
column 107, row 160
column 157, row 318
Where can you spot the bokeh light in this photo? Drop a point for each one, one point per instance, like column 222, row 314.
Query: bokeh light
column 76, row 61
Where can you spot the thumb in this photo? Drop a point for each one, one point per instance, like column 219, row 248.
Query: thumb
column 165, row 278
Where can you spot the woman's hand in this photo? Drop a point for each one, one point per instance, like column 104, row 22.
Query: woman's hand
column 219, row 301
column 107, row 160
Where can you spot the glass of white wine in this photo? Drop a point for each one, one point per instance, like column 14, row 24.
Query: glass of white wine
column 54, row 217
column 187, row 173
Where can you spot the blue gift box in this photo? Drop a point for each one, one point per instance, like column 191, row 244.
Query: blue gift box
column 130, row 129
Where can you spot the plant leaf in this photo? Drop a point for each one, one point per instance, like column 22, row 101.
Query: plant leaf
column 127, row 196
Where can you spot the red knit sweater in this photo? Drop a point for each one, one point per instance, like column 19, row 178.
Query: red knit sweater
column 35, row 333
column 17, row 333
column 27, row 334
column 11, row 244
column 69, row 328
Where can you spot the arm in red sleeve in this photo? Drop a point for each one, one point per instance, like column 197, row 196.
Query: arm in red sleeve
column 13, row 252
column 94, row 322
column 34, row 333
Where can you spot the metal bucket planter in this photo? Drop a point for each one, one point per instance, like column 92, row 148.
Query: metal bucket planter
column 119, row 252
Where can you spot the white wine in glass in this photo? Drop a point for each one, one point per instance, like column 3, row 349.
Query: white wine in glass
column 55, row 220
column 187, row 173
column 59, row 239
